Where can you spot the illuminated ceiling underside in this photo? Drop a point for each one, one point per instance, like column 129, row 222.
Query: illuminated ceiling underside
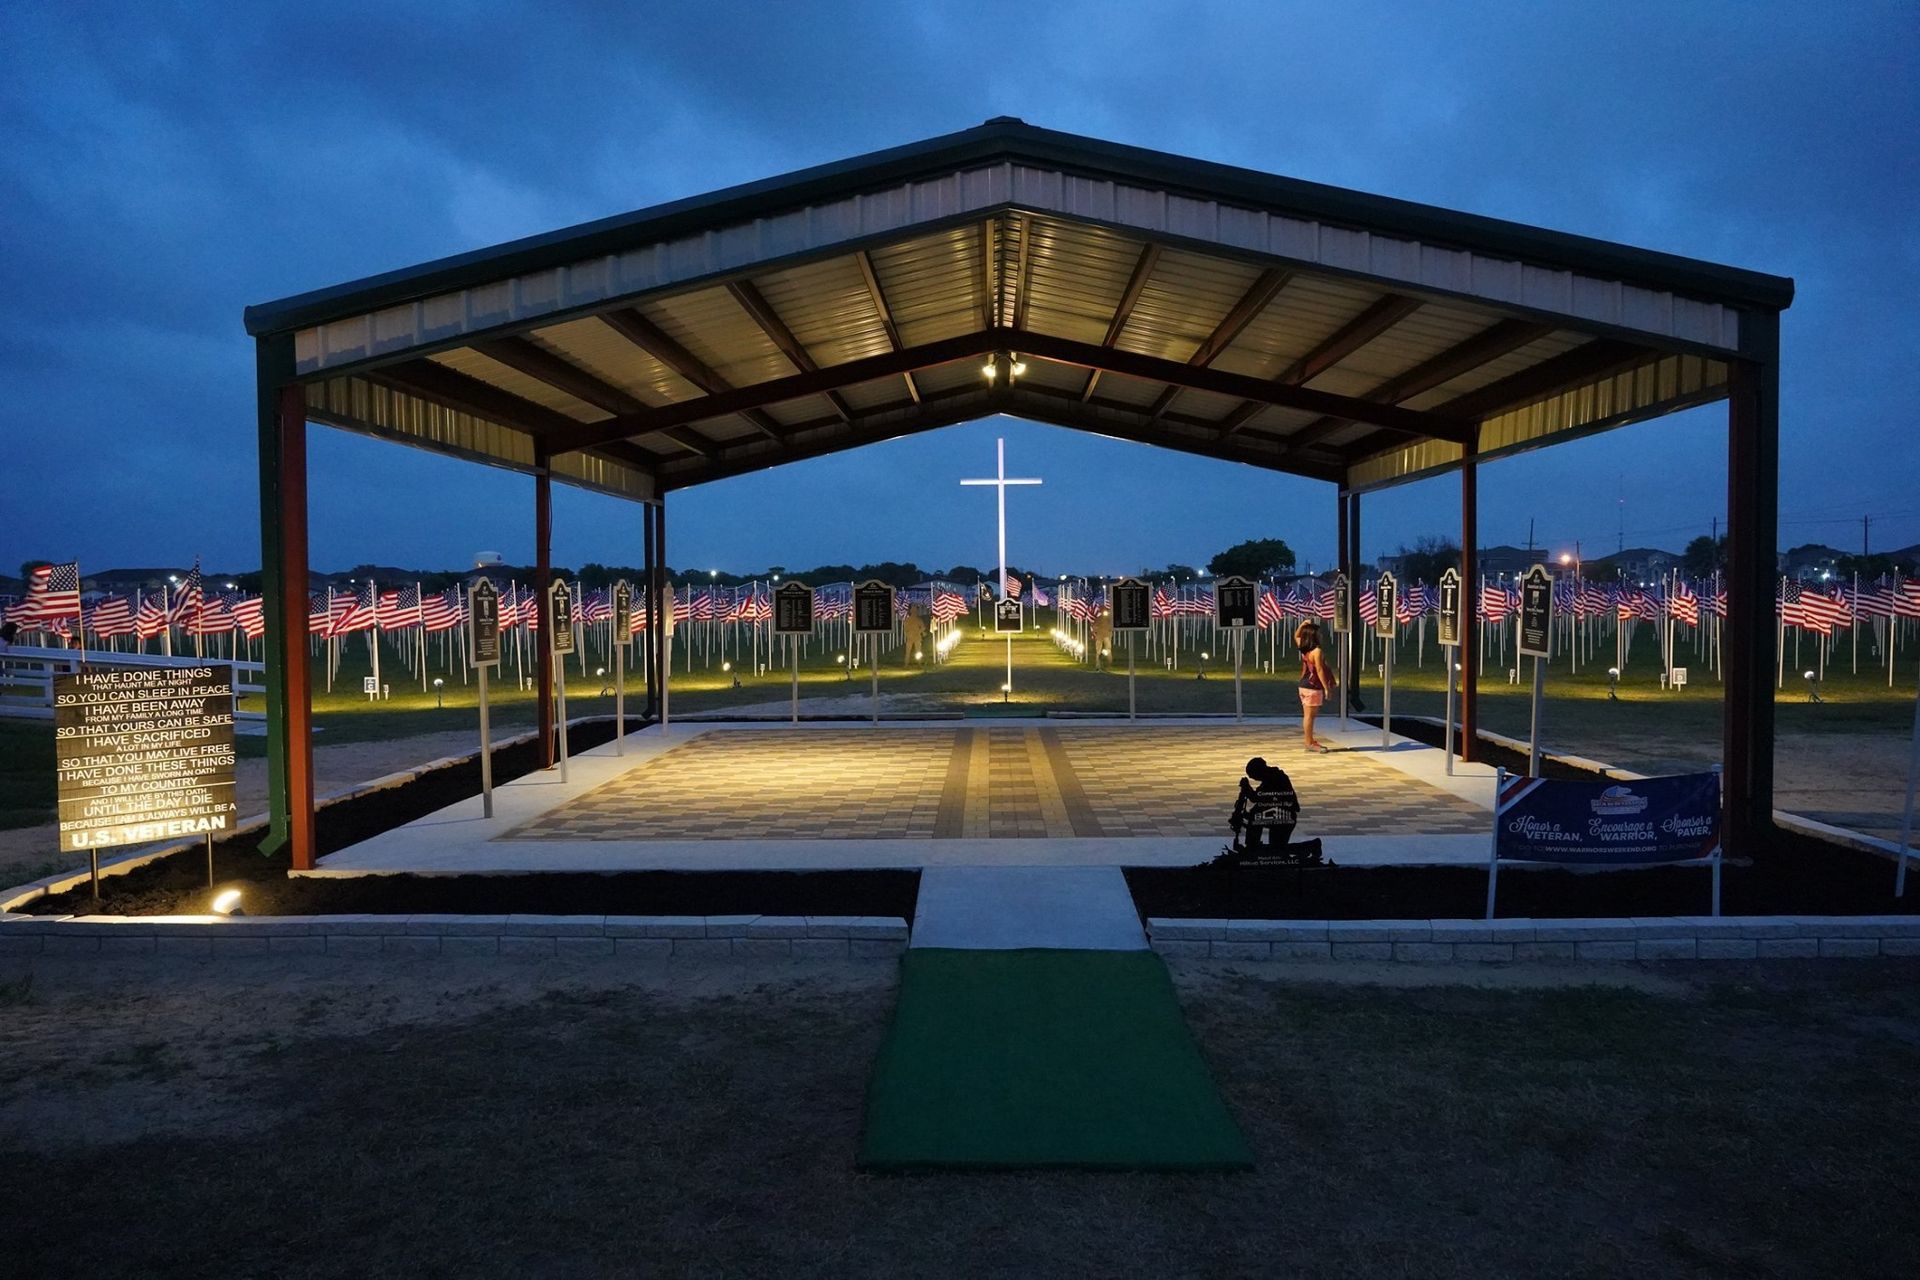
column 1151, row 298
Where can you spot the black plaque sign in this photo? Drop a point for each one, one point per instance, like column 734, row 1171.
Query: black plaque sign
column 1007, row 616
column 1386, row 598
column 872, row 608
column 1233, row 602
column 1132, row 605
column 483, row 623
column 560, row 616
column 1448, row 622
column 622, row 610
column 793, row 609
column 1536, row 612
column 1342, row 602
column 143, row 754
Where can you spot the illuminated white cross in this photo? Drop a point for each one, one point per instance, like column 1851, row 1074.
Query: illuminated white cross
column 1000, row 483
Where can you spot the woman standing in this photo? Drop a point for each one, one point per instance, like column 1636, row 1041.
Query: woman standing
column 1316, row 679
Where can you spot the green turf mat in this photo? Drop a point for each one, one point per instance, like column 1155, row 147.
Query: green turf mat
column 1043, row 1059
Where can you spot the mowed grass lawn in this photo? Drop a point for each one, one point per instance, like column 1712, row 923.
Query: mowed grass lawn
column 309, row 1116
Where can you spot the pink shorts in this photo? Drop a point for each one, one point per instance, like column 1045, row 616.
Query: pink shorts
column 1312, row 697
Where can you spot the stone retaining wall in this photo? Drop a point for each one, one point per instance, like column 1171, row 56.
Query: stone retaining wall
column 656, row 937
column 1648, row 938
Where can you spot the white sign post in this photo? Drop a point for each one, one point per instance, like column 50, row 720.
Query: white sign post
column 1913, row 783
column 1132, row 613
column 483, row 648
column 1449, row 628
column 560, row 634
column 1536, row 641
column 1234, row 611
column 873, row 618
column 1342, row 615
column 1386, row 625
column 1000, row 483
column 622, row 628
column 793, row 617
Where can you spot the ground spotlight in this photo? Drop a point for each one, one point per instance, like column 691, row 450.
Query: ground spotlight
column 1813, row 686
column 1613, row 684
column 227, row 903
column 439, row 685
column 1201, row 674
column 728, row 667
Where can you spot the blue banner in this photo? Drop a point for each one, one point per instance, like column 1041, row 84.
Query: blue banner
column 1673, row 819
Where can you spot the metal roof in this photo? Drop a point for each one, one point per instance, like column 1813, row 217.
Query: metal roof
column 1215, row 310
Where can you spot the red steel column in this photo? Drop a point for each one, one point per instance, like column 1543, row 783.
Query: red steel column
column 295, row 605
column 1753, row 534
column 1469, row 650
column 542, row 579
column 649, row 592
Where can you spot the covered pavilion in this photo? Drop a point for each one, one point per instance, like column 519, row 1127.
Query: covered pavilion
column 1344, row 337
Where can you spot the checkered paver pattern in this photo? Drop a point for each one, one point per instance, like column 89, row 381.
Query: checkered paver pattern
column 985, row 781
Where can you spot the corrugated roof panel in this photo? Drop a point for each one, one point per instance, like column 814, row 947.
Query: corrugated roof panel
column 932, row 284
column 716, row 330
column 1048, row 373
column 828, row 308
column 596, row 348
column 1119, row 389
column 1493, row 370
column 474, row 365
column 879, row 394
column 1412, row 340
column 1184, row 300
column 1205, row 406
column 949, row 377
column 1307, row 312
column 1076, row 278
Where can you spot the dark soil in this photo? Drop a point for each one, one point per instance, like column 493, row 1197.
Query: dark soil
column 177, row 885
column 1795, row 876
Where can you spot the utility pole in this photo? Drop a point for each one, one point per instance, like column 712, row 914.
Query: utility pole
column 1866, row 523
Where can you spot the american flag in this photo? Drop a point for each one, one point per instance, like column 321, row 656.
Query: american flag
column 1162, row 603
column 1814, row 610
column 1042, row 597
column 1010, row 587
column 1495, row 604
column 398, row 610
column 1323, row 605
column 1593, row 600
column 443, row 611
column 214, row 617
column 350, row 612
column 53, row 593
column 188, row 596
column 1906, row 600
column 1369, row 607
column 113, row 616
column 948, row 605
column 1269, row 610
column 1683, row 604
column 595, row 606
column 834, row 601
column 248, row 616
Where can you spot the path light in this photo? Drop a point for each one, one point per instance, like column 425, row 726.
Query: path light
column 728, row 667
column 438, row 685
column 1613, row 684
column 918, row 655
column 1201, row 674
column 1006, row 692
column 1813, row 686
column 227, row 903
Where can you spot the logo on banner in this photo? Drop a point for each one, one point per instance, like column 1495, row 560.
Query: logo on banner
column 1618, row 802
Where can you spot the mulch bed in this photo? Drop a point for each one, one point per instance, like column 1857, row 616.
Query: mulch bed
column 177, row 884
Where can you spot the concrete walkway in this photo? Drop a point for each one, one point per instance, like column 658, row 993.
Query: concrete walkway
column 1010, row 908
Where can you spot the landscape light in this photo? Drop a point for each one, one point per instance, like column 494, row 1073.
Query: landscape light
column 227, row 903
column 438, row 685
column 1613, row 684
column 1813, row 687
column 917, row 655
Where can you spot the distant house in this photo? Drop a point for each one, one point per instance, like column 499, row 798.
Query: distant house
column 1809, row 562
column 1635, row 564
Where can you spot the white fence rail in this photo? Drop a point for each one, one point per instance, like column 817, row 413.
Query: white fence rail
column 27, row 673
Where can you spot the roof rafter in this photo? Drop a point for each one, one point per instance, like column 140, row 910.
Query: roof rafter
column 652, row 339
column 879, row 296
column 1123, row 310
column 536, row 362
column 762, row 313
column 1259, row 295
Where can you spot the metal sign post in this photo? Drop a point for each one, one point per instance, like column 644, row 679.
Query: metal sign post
column 793, row 616
column 1132, row 613
column 663, row 626
column 1342, row 612
column 1449, row 630
column 560, row 614
column 1234, row 612
column 483, row 643
column 1386, row 597
column 1913, row 784
column 1536, row 641
column 622, row 628
column 873, row 618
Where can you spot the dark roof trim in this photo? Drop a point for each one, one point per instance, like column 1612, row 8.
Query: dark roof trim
column 1008, row 139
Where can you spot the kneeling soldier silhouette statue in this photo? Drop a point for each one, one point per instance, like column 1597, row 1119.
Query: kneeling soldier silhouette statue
column 1264, row 815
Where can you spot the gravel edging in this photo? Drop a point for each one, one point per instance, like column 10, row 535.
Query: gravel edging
column 1497, row 941
column 655, row 937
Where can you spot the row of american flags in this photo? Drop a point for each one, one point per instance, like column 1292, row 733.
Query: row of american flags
column 53, row 604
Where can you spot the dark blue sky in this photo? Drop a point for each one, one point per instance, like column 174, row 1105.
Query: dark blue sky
column 163, row 166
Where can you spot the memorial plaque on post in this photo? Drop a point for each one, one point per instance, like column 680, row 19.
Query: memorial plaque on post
column 1386, row 598
column 560, row 615
column 1132, row 605
column 143, row 755
column 483, row 623
column 622, row 610
column 1449, row 619
column 1233, row 602
column 1342, row 602
column 872, row 608
column 793, row 609
column 1008, row 617
column 1536, row 612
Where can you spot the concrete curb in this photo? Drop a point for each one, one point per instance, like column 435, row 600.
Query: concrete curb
column 1482, row 941
column 649, row 937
